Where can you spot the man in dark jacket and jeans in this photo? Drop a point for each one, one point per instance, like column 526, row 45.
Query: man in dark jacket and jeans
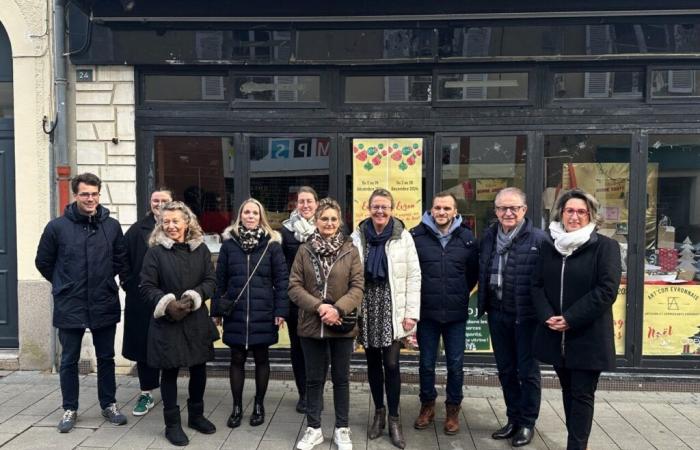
column 508, row 255
column 449, row 260
column 79, row 254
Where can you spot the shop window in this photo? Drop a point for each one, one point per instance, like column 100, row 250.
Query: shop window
column 674, row 83
column 6, row 97
column 475, row 87
column 474, row 169
column 364, row 45
column 280, row 165
column 599, row 85
column 262, row 46
column 598, row 164
column 277, row 88
column 185, row 88
column 388, row 89
column 672, row 271
column 199, row 171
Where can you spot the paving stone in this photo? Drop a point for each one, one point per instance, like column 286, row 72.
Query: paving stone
column 47, row 438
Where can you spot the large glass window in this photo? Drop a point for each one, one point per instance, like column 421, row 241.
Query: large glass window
column 672, row 271
column 599, row 85
column 387, row 89
column 474, row 169
column 185, row 88
column 280, row 88
column 598, row 164
column 674, row 83
column 482, row 86
column 199, row 171
column 280, row 165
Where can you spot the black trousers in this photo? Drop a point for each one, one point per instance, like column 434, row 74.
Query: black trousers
column 315, row 354
column 149, row 377
column 518, row 370
column 295, row 351
column 578, row 392
column 168, row 385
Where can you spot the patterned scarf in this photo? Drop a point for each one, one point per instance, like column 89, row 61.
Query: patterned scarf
column 504, row 242
column 302, row 228
column 249, row 239
column 326, row 249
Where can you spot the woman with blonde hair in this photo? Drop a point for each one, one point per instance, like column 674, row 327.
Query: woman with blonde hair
column 252, row 278
column 177, row 276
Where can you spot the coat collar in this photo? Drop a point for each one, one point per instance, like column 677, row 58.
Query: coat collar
column 168, row 243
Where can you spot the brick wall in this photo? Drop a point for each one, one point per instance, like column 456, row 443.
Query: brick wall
column 105, row 137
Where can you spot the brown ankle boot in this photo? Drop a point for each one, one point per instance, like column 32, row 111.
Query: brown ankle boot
column 452, row 419
column 378, row 424
column 396, row 432
column 426, row 416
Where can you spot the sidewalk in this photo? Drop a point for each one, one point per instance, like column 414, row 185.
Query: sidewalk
column 30, row 409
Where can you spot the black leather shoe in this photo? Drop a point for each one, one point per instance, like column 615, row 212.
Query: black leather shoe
column 234, row 421
column 506, row 432
column 523, row 436
column 258, row 415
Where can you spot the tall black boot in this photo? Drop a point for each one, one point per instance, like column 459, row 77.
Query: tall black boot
column 173, row 427
column 196, row 419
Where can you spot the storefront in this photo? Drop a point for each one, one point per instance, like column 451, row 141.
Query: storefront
column 258, row 105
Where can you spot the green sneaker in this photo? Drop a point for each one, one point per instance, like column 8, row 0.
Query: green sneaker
column 143, row 405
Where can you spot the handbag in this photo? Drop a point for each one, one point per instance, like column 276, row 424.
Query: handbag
column 223, row 306
column 349, row 320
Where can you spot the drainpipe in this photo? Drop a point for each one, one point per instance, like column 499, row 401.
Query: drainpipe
column 60, row 170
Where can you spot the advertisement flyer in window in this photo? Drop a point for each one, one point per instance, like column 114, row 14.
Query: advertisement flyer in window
column 671, row 320
column 395, row 164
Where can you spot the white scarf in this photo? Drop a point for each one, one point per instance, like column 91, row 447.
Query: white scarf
column 567, row 242
column 302, row 228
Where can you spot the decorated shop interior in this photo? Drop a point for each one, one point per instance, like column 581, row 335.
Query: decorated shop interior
column 258, row 100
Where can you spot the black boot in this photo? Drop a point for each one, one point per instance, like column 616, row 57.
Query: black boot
column 507, row 432
column 173, row 427
column 234, row 421
column 378, row 423
column 396, row 432
column 196, row 419
column 258, row 415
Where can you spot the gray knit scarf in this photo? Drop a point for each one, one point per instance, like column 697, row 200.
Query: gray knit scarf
column 504, row 242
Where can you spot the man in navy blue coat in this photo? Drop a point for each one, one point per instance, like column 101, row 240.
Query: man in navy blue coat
column 449, row 260
column 508, row 254
column 79, row 254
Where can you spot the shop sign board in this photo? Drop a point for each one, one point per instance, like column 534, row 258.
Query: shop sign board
column 671, row 320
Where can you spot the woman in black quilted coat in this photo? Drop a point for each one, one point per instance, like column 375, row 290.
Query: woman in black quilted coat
column 252, row 274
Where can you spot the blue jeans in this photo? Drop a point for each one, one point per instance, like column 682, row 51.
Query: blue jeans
column 103, row 340
column 429, row 332
column 518, row 371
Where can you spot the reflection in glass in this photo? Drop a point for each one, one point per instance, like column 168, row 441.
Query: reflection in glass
column 618, row 85
column 280, row 165
column 199, row 171
column 6, row 103
column 675, row 83
column 672, row 271
column 598, row 164
column 364, row 45
column 483, row 86
column 287, row 88
column 388, row 89
column 191, row 88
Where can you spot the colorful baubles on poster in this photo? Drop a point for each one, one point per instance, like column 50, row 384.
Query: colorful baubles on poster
column 403, row 156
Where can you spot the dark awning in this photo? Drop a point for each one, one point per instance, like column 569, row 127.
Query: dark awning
column 370, row 10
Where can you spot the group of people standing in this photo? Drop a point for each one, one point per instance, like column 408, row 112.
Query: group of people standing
column 548, row 297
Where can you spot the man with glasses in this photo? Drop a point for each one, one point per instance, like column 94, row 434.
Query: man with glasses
column 508, row 254
column 449, row 260
column 79, row 254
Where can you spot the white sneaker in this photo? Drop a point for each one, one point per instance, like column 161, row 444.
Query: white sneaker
column 341, row 437
column 312, row 437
